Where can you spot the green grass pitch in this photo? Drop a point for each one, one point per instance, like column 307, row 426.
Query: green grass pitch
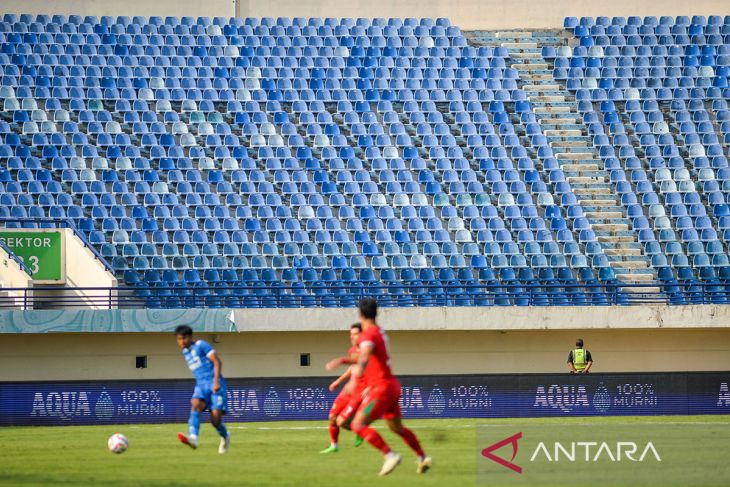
column 262, row 454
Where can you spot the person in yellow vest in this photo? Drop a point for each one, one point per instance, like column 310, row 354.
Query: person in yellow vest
column 579, row 359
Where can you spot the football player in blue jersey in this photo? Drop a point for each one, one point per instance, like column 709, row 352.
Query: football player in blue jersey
column 210, row 387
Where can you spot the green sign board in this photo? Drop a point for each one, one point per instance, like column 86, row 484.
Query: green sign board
column 42, row 251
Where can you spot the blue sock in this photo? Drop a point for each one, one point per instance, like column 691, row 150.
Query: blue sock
column 221, row 428
column 194, row 423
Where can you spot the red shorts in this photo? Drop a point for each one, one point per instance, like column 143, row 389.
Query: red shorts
column 381, row 400
column 340, row 403
column 349, row 412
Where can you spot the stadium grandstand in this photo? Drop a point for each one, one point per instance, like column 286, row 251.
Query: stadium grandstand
column 308, row 162
column 502, row 178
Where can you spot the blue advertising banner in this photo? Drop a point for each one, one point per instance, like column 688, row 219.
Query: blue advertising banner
column 467, row 396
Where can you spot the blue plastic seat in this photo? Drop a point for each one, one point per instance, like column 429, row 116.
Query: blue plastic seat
column 311, row 151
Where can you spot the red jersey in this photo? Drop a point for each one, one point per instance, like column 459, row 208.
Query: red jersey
column 361, row 384
column 378, row 367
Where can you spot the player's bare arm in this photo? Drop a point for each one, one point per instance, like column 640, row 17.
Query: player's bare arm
column 351, row 360
column 217, row 368
column 340, row 361
column 340, row 380
column 366, row 349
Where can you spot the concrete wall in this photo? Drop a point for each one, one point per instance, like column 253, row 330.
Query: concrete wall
column 468, row 14
column 12, row 275
column 83, row 270
column 178, row 8
column 112, row 355
column 480, row 14
column 492, row 318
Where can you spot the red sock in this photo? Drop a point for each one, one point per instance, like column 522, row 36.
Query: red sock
column 410, row 438
column 372, row 437
column 334, row 433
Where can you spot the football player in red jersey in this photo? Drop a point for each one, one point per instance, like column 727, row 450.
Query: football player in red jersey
column 383, row 393
column 344, row 399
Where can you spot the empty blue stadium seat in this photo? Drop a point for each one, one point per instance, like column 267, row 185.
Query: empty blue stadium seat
column 295, row 157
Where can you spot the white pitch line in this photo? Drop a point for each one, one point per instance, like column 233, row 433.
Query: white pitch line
column 474, row 425
column 294, row 428
column 237, row 426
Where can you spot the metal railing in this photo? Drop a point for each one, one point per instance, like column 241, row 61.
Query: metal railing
column 392, row 295
column 15, row 257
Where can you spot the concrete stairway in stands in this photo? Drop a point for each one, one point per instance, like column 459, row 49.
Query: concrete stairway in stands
column 556, row 110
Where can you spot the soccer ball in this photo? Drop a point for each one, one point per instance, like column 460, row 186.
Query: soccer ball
column 118, row 443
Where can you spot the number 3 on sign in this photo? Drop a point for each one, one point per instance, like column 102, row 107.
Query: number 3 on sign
column 32, row 263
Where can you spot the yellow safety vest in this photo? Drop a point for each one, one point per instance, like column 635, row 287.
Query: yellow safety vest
column 579, row 359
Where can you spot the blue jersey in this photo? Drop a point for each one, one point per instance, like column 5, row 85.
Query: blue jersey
column 197, row 358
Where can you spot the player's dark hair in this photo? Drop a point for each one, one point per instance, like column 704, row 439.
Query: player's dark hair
column 184, row 330
column 579, row 342
column 368, row 308
column 356, row 325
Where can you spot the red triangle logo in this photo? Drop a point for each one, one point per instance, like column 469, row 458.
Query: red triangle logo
column 487, row 452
